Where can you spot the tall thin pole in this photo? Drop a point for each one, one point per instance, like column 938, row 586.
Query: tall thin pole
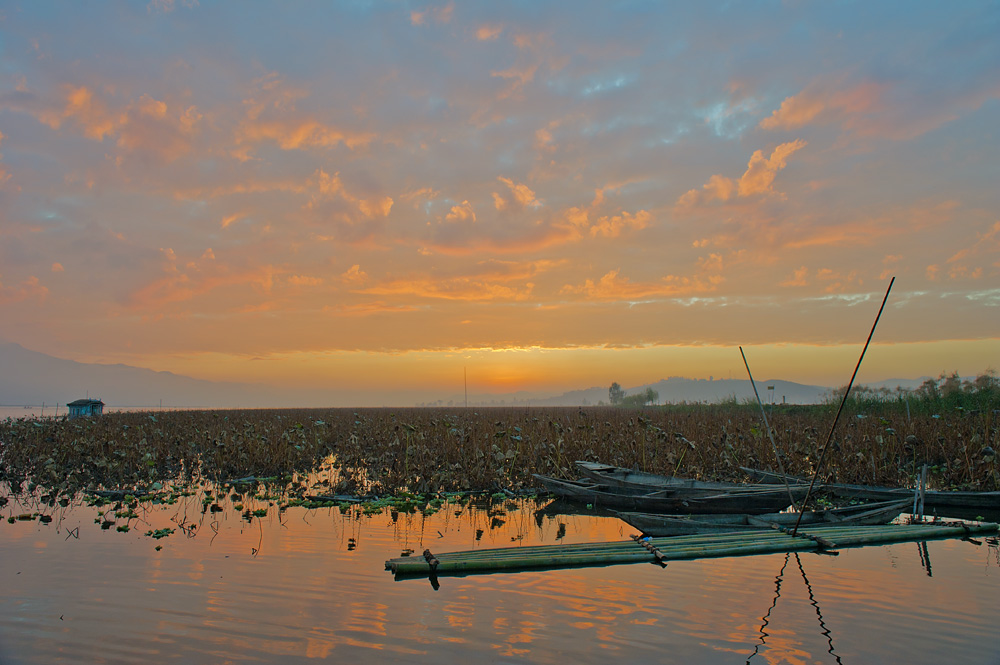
column 822, row 454
column 465, row 371
column 774, row 446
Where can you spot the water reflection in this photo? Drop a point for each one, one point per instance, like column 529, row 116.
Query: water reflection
column 300, row 585
column 925, row 558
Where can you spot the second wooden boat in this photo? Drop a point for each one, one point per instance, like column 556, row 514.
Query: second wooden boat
column 932, row 498
column 681, row 525
column 666, row 501
column 616, row 476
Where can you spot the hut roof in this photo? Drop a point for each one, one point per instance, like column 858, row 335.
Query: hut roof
column 85, row 402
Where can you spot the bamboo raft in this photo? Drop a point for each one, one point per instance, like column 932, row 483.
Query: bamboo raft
column 661, row 550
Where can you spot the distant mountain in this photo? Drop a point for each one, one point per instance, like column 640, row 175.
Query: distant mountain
column 30, row 377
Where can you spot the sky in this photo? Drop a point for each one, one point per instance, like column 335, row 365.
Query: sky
column 395, row 196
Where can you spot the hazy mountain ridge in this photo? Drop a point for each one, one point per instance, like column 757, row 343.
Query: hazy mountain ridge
column 31, row 378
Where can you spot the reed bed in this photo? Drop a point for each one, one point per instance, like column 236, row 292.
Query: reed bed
column 388, row 451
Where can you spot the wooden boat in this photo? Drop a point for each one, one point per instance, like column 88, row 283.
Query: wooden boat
column 932, row 498
column 668, row 501
column 680, row 525
column 616, row 476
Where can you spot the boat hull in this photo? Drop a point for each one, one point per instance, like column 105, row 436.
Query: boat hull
column 667, row 501
column 932, row 498
column 679, row 525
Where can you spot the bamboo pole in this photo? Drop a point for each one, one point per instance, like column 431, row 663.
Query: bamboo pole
column 767, row 425
column 822, row 454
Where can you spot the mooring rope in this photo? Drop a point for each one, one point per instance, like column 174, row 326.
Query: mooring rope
column 647, row 543
column 819, row 540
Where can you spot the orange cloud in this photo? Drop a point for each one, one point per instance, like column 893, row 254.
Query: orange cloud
column 798, row 278
column 416, row 196
column 461, row 213
column 457, row 288
column 523, row 196
column 612, row 227
column 89, row 112
column 489, row 281
column 298, row 134
column 839, row 281
column 889, row 263
column 29, row 288
column 757, row 180
column 327, row 186
column 437, row 14
column 193, row 279
column 870, row 230
column 516, row 77
column 985, row 243
column 148, row 125
column 760, row 173
column 567, row 226
column 613, row 287
column 58, row 267
column 488, row 32
column 272, row 116
column 376, row 207
column 304, row 280
column 144, row 125
column 824, row 103
column 712, row 263
column 354, row 275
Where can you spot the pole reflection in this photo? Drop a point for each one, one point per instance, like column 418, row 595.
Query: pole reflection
column 766, row 619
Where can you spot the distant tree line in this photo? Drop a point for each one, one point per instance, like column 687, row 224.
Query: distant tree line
column 948, row 392
column 617, row 397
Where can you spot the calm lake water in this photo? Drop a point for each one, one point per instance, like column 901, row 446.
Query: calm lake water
column 310, row 585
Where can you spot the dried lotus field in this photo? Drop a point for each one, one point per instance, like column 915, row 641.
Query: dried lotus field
column 388, row 451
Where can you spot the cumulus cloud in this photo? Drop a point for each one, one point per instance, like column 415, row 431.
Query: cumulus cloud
column 462, row 212
column 354, row 275
column 757, row 180
column 145, row 125
column 612, row 227
column 519, row 196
